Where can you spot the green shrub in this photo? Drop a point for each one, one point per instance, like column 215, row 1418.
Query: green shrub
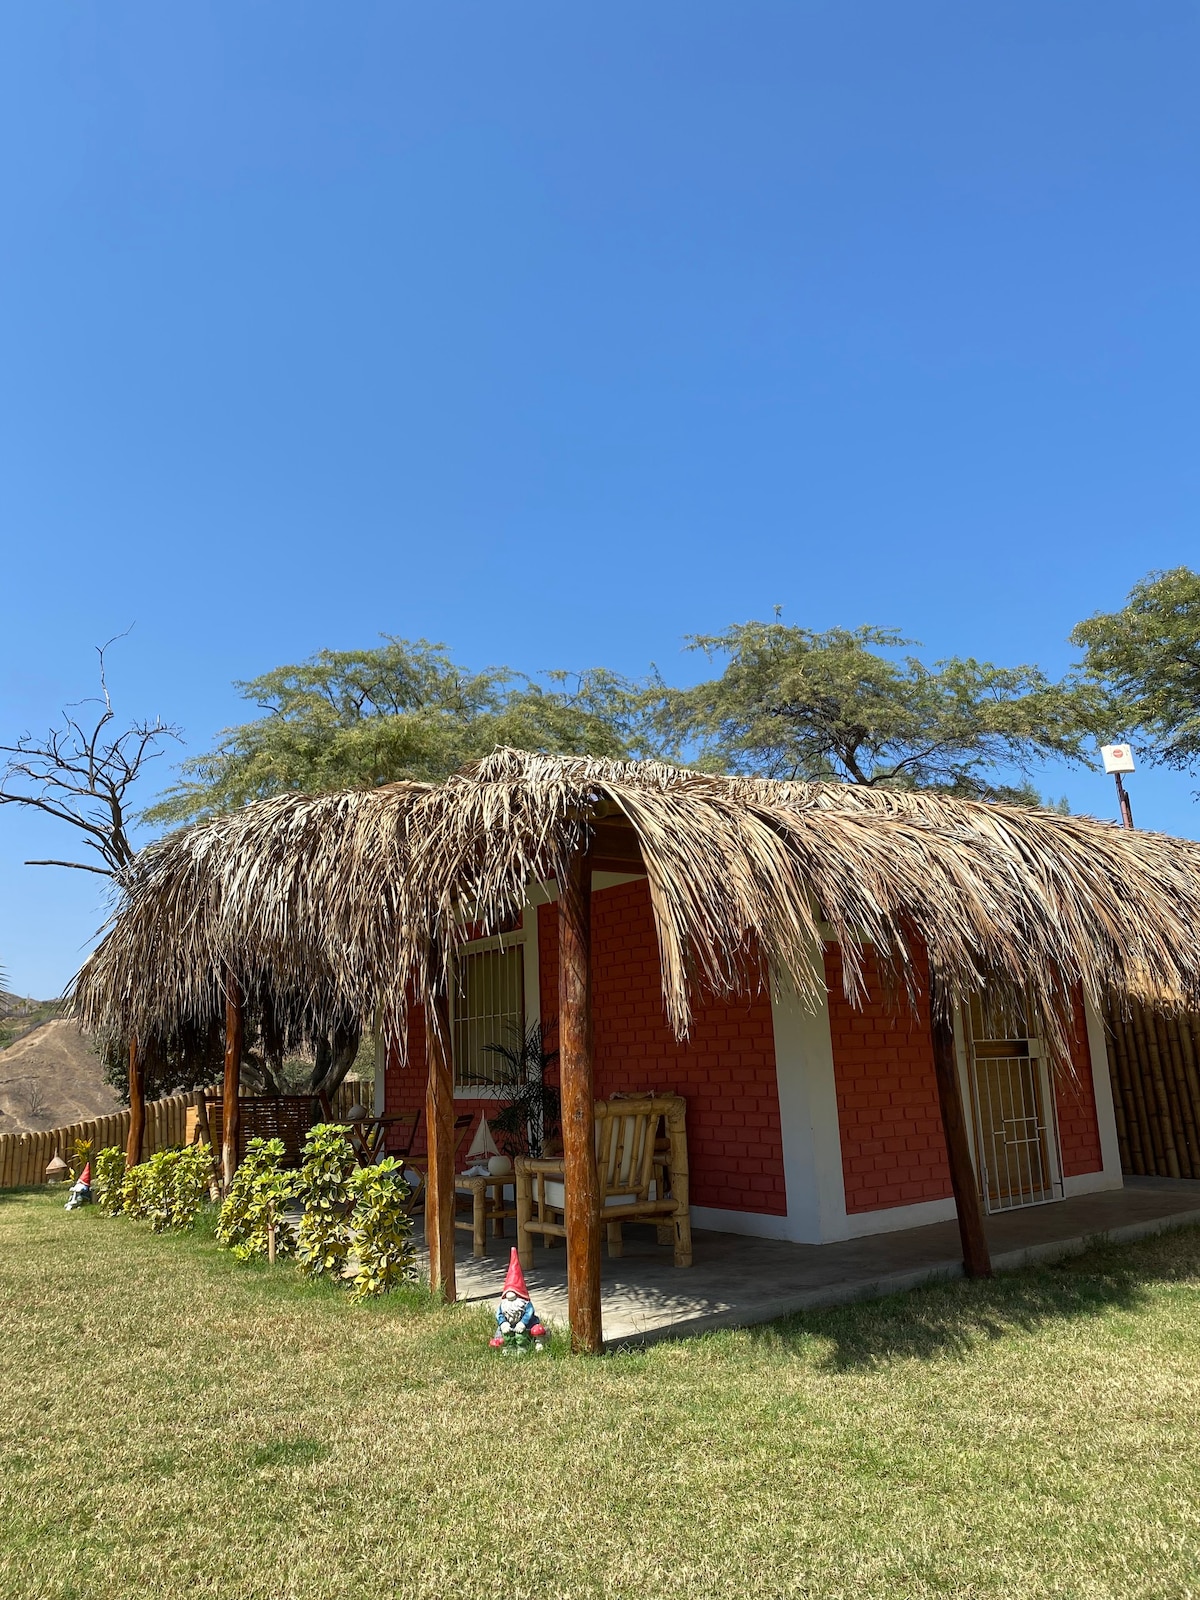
column 380, row 1228
column 260, row 1191
column 167, row 1190
column 135, row 1191
column 82, row 1152
column 107, row 1180
column 322, row 1188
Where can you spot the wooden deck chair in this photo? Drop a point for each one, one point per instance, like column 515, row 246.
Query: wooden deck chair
column 631, row 1166
column 286, row 1116
column 416, row 1168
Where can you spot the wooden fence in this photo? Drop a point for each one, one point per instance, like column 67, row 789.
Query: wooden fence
column 24, row 1157
column 1154, row 1062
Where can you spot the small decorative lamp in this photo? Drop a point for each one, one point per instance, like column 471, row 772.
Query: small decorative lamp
column 57, row 1170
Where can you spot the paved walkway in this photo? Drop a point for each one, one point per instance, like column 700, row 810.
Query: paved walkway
column 736, row 1281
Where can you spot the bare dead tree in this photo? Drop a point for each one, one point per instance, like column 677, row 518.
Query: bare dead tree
column 81, row 772
column 30, row 1095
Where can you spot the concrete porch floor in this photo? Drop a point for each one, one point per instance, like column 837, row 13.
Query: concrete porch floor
column 736, row 1280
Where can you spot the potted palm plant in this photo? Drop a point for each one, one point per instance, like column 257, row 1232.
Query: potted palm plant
column 529, row 1117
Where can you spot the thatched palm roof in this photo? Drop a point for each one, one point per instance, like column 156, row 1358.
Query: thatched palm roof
column 338, row 903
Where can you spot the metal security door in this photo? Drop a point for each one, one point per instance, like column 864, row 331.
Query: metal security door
column 1016, row 1132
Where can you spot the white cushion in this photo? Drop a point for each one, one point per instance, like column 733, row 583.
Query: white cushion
column 556, row 1196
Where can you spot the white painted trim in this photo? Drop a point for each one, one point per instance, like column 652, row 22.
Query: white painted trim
column 1093, row 1182
column 858, row 1225
column 966, row 1088
column 1106, row 1116
column 754, row 1224
column 892, row 1219
column 814, row 1181
column 532, row 970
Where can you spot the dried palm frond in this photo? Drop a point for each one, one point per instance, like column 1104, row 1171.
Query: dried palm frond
column 344, row 902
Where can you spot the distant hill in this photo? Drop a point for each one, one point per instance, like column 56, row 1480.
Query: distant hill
column 18, row 1016
column 50, row 1076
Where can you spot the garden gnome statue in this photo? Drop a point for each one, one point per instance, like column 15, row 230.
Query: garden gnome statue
column 81, row 1190
column 517, row 1325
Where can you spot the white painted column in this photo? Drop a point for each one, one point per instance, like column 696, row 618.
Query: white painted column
column 808, row 1117
column 1106, row 1117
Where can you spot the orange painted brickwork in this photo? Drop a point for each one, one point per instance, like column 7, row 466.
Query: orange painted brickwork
column 1075, row 1102
column 893, row 1152
column 404, row 1089
column 725, row 1069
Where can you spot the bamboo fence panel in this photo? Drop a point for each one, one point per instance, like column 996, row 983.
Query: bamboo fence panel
column 1154, row 1062
column 24, row 1157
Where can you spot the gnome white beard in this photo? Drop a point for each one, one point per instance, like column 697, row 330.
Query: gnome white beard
column 513, row 1308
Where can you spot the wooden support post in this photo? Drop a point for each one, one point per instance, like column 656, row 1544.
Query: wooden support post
column 580, row 1177
column 234, row 1038
column 977, row 1259
column 439, row 1135
column 137, row 1105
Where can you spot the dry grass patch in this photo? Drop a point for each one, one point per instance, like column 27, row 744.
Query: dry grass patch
column 173, row 1423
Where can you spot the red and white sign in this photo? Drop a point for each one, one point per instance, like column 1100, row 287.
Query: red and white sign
column 1117, row 757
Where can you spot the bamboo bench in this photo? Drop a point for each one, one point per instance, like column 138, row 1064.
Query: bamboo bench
column 633, row 1160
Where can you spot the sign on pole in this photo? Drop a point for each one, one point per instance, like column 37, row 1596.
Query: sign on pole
column 1117, row 757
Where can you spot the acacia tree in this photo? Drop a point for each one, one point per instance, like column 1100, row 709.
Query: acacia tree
column 1146, row 659
column 81, row 772
column 346, row 719
column 831, row 706
column 352, row 719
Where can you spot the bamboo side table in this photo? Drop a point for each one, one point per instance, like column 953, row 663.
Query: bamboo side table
column 485, row 1209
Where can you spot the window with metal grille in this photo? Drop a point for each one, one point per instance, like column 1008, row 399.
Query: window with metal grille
column 489, row 1008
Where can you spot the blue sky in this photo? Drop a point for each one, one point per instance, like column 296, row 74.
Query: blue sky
column 557, row 332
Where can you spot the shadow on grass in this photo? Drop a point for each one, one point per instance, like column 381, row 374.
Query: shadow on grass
column 956, row 1318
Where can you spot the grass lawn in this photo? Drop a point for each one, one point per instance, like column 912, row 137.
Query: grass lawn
column 173, row 1424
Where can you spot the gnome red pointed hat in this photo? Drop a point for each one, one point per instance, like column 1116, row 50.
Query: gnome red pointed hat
column 86, row 1175
column 515, row 1280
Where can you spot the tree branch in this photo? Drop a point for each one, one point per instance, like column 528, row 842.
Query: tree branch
column 79, row 866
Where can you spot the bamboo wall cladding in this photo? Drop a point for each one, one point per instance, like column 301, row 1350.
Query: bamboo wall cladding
column 1154, row 1062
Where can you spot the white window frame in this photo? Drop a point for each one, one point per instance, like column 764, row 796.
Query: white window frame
column 526, row 937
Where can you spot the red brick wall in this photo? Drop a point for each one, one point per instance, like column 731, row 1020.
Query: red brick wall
column 404, row 1087
column 890, row 1127
column 893, row 1152
column 725, row 1069
column 1075, row 1102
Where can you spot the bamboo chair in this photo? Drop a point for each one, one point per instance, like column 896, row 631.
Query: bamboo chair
column 631, row 1165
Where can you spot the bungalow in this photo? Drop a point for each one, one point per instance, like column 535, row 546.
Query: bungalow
column 882, row 1009
column 810, row 1121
